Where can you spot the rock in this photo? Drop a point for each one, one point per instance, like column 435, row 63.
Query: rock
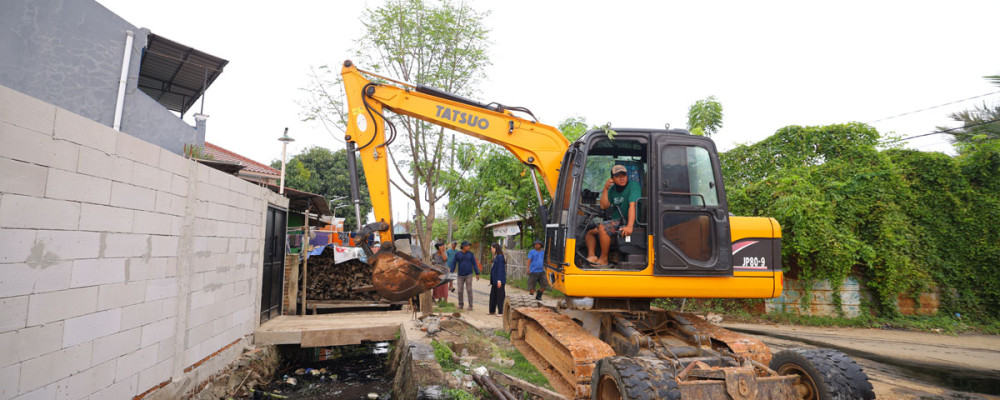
column 481, row 370
column 714, row 318
column 465, row 352
column 291, row 381
column 508, row 362
column 433, row 325
column 372, row 396
column 300, row 371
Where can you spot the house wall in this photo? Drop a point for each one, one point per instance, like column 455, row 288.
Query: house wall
column 69, row 53
column 125, row 269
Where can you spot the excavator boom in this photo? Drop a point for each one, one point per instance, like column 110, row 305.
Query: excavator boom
column 537, row 145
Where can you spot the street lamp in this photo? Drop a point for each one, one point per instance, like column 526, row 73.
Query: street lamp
column 284, row 139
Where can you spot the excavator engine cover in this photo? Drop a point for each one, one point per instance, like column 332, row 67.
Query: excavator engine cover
column 399, row 276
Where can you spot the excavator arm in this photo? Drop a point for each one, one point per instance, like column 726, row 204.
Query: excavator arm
column 537, row 145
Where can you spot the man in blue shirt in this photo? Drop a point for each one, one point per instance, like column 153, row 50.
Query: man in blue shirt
column 466, row 266
column 536, row 270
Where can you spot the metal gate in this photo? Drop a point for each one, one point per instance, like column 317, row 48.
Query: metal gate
column 274, row 264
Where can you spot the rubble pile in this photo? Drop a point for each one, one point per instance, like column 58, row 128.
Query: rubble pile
column 349, row 280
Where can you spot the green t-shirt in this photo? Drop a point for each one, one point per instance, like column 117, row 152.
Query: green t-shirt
column 629, row 194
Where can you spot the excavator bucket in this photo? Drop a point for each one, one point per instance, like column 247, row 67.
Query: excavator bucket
column 399, row 276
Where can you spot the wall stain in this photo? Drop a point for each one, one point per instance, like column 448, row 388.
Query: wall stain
column 41, row 258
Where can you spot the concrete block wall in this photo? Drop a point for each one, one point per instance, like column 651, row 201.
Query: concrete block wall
column 821, row 302
column 125, row 270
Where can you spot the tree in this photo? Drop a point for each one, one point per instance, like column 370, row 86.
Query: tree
column 573, row 128
column 705, row 117
column 436, row 44
column 982, row 123
column 321, row 171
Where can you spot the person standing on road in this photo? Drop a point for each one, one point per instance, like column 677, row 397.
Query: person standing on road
column 451, row 261
column 465, row 266
column 440, row 259
column 536, row 270
column 498, row 280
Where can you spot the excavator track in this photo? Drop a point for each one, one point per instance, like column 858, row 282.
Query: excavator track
column 567, row 353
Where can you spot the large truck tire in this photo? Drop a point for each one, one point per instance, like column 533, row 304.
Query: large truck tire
column 825, row 374
column 630, row 378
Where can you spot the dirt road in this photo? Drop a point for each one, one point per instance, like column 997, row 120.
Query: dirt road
column 900, row 364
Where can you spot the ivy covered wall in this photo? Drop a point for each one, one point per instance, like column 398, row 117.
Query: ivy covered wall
column 898, row 220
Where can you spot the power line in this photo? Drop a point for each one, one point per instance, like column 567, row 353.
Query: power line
column 945, row 131
column 931, row 108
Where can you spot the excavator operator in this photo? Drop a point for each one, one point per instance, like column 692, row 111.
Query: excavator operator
column 620, row 194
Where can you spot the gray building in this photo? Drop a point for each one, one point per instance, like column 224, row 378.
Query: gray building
column 72, row 53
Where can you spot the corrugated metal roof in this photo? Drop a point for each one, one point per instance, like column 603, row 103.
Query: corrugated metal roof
column 176, row 75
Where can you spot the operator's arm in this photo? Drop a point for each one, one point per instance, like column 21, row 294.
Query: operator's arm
column 632, row 197
column 631, row 220
column 605, row 203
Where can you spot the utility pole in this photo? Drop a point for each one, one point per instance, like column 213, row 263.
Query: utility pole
column 284, row 139
column 451, row 221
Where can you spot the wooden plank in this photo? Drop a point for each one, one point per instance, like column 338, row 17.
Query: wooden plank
column 338, row 337
column 526, row 386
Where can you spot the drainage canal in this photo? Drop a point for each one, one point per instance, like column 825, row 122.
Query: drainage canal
column 338, row 372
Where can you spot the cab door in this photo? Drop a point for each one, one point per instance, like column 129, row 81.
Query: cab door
column 691, row 228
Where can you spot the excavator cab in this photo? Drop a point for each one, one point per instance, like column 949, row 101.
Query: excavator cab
column 681, row 228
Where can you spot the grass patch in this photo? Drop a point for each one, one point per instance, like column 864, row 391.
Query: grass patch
column 444, row 356
column 523, row 369
column 458, row 394
column 522, row 283
column 444, row 307
column 502, row 333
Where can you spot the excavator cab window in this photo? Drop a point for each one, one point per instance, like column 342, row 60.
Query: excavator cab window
column 624, row 253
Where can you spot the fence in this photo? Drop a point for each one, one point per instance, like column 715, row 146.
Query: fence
column 517, row 264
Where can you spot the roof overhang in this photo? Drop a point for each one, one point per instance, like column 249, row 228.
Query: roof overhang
column 176, row 75
column 300, row 201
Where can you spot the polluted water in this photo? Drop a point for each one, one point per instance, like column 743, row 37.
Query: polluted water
column 339, row 372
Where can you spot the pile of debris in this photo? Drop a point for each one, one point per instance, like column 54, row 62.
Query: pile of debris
column 349, row 280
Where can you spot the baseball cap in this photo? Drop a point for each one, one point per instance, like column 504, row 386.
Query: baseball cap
column 618, row 169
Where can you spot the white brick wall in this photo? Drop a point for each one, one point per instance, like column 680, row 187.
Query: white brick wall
column 116, row 271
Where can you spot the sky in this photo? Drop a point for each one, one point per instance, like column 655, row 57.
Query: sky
column 634, row 64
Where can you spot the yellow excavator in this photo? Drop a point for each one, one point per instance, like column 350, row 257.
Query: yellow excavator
column 605, row 340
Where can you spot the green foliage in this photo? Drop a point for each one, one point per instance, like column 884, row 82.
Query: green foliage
column 444, row 356
column 982, row 123
column 522, row 283
column 443, row 306
column 321, row 171
column 500, row 188
column 434, row 43
column 573, row 128
column 523, row 369
column 503, row 334
column 900, row 220
column 705, row 117
column 458, row 394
